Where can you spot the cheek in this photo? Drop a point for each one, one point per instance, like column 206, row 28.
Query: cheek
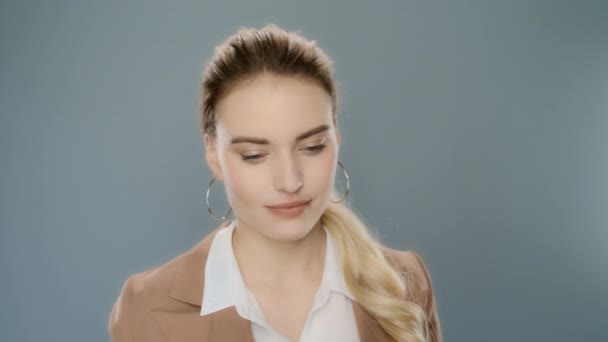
column 243, row 184
column 322, row 172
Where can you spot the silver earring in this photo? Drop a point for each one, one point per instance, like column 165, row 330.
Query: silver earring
column 347, row 184
column 209, row 207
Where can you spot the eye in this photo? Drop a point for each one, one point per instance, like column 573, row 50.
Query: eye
column 252, row 157
column 316, row 149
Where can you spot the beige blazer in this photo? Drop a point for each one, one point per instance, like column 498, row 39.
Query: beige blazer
column 163, row 304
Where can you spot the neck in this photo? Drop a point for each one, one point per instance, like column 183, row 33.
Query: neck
column 272, row 264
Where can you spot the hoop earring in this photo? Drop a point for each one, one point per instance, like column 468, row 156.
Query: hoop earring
column 347, row 184
column 209, row 207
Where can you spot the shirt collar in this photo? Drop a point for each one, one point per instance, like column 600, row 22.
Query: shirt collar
column 224, row 286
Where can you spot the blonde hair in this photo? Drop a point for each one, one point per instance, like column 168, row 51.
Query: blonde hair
column 377, row 287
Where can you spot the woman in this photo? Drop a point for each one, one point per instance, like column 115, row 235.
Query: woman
column 296, row 264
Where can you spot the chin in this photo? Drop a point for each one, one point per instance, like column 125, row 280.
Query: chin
column 289, row 230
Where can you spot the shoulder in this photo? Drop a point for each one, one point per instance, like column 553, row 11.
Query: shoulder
column 419, row 287
column 157, row 280
column 411, row 267
column 151, row 289
column 154, row 282
column 148, row 284
column 140, row 293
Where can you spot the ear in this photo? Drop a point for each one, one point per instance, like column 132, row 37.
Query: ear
column 211, row 157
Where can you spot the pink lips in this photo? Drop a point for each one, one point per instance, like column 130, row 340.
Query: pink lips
column 291, row 209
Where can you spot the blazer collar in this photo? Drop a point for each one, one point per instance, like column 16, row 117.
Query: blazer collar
column 224, row 325
column 189, row 276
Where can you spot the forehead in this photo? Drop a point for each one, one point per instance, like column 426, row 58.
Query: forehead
column 273, row 107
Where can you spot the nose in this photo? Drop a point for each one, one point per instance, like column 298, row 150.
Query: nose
column 288, row 177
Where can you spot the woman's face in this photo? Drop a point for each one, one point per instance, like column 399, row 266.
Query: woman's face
column 276, row 143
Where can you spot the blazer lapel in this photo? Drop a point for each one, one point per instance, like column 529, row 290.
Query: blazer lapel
column 187, row 324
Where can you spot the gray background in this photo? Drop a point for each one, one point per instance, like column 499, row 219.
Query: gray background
column 475, row 132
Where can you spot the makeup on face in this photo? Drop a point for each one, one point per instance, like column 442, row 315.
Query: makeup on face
column 277, row 146
column 262, row 141
column 291, row 209
column 254, row 155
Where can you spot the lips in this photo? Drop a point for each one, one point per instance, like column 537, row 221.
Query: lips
column 289, row 210
column 288, row 205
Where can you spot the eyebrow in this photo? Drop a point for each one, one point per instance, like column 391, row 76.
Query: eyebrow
column 262, row 141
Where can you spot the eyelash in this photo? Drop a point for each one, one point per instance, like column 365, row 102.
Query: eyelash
column 314, row 149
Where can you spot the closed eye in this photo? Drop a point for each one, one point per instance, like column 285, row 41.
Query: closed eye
column 312, row 149
column 252, row 157
column 316, row 148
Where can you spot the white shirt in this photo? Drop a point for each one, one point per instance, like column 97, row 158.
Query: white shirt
column 330, row 319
